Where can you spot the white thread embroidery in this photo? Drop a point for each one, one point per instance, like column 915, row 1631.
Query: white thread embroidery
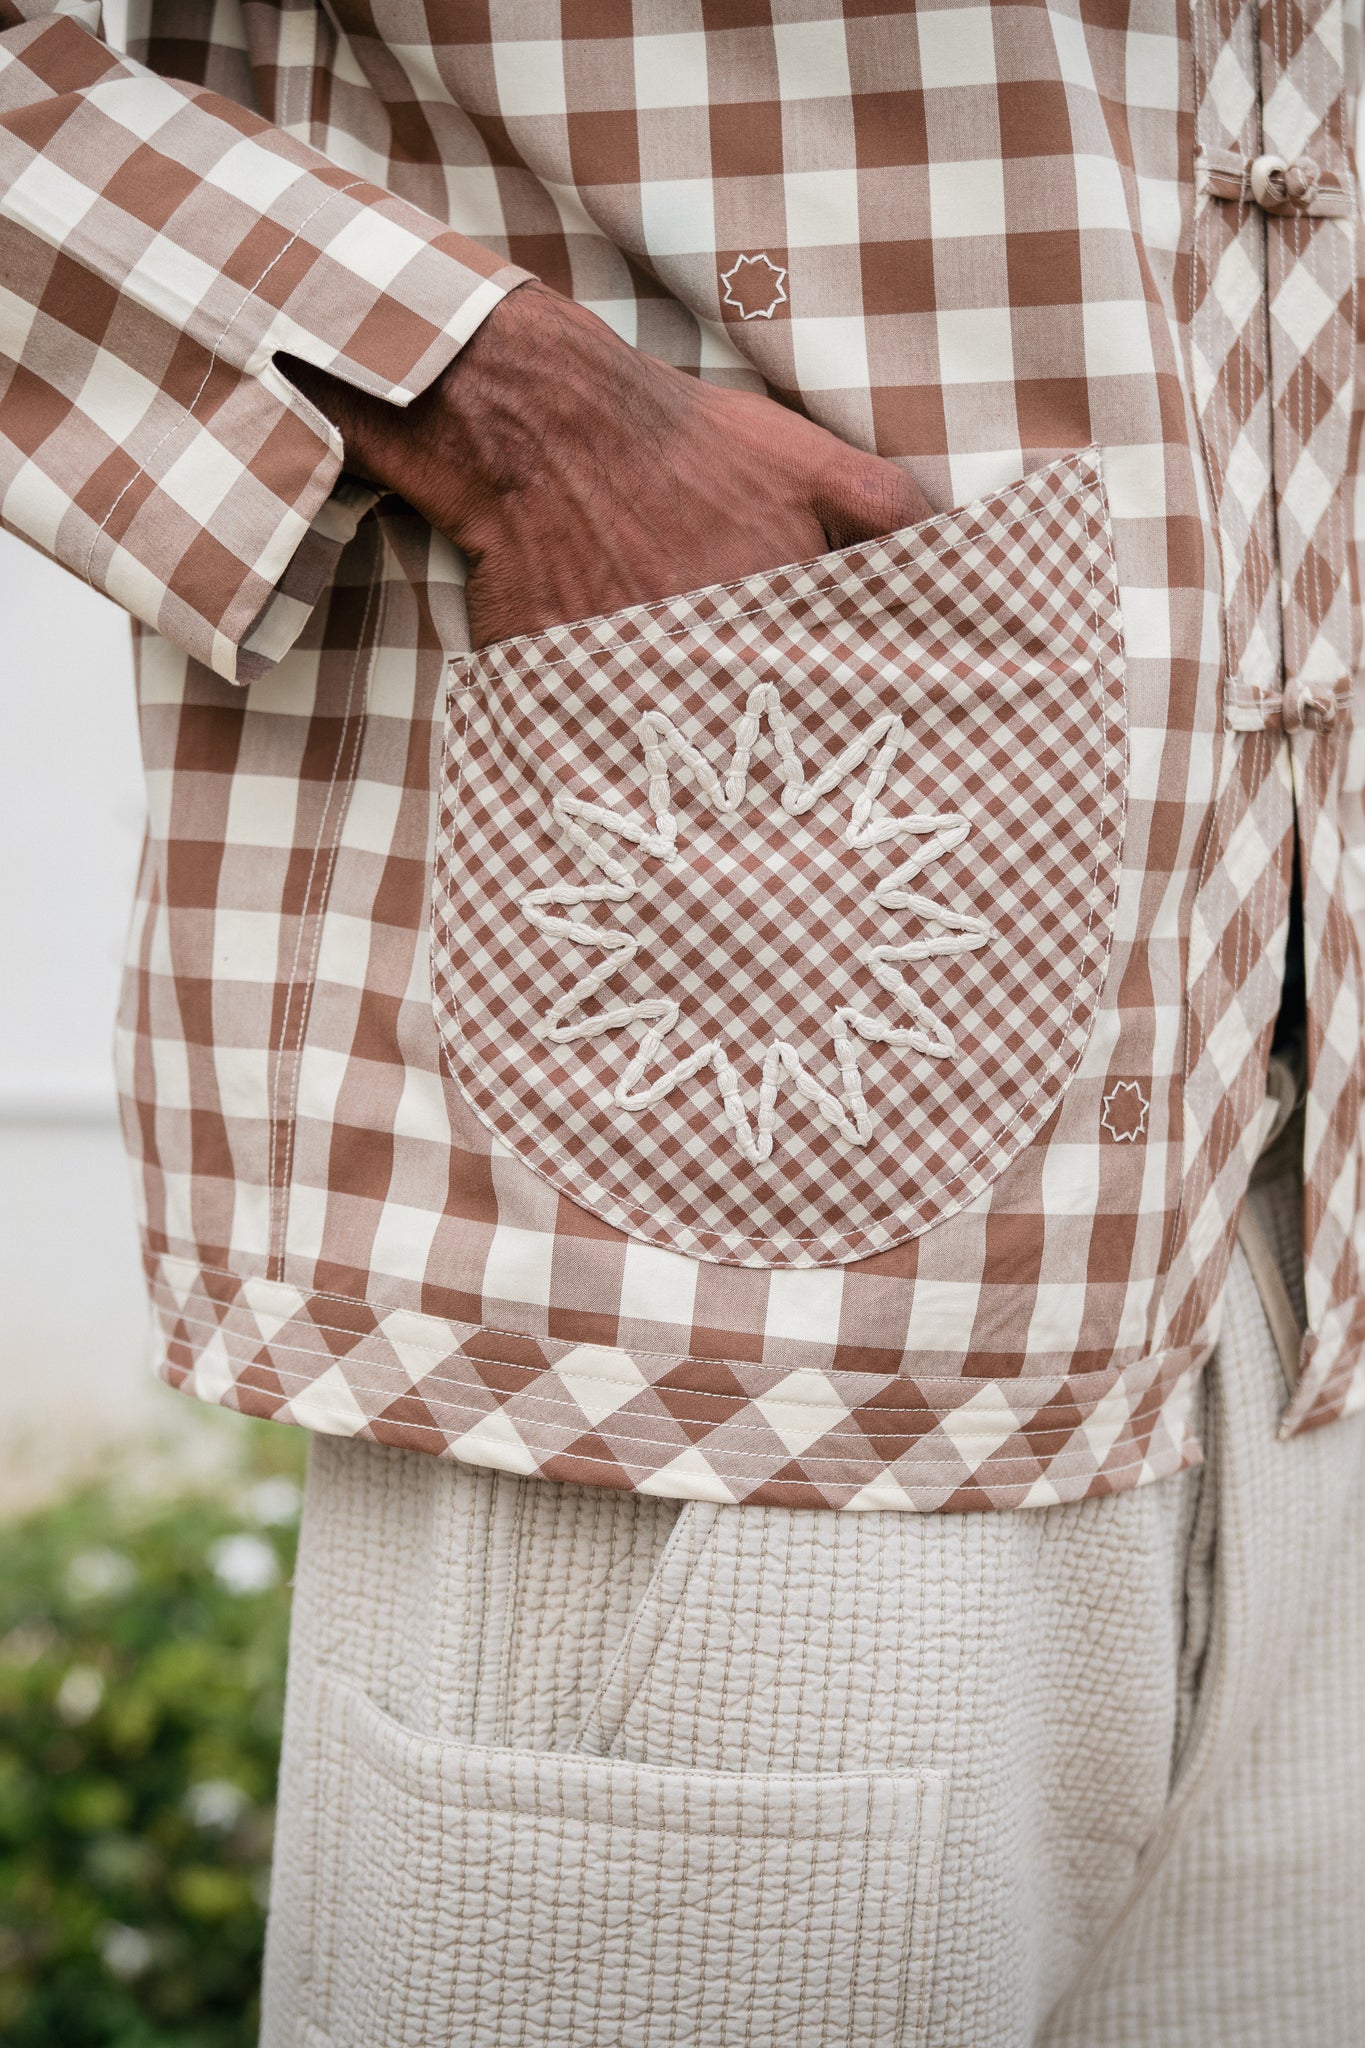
column 1125, row 1112
column 584, row 823
column 755, row 286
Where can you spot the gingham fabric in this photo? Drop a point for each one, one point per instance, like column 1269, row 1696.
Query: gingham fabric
column 696, row 867
column 980, row 240
column 161, row 245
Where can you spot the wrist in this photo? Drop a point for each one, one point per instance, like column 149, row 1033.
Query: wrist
column 451, row 447
column 514, row 429
column 504, row 414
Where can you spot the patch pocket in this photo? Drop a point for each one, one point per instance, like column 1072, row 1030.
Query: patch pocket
column 770, row 922
column 502, row 1898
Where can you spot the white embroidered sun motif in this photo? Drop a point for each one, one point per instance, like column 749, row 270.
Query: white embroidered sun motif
column 1125, row 1112
column 601, row 832
column 755, row 286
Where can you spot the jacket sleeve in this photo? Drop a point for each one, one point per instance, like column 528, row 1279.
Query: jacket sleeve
column 158, row 246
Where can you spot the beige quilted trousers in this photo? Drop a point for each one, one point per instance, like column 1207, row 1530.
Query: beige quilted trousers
column 568, row 1768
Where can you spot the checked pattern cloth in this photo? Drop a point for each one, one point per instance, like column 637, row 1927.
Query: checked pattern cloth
column 756, row 896
column 785, row 1044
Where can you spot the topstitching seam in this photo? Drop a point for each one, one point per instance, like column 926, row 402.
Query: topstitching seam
column 144, row 467
column 1065, row 1378
column 1083, row 474
column 280, row 1184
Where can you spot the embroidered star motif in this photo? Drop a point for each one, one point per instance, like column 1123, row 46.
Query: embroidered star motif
column 757, row 872
column 755, row 286
column 1125, row 1112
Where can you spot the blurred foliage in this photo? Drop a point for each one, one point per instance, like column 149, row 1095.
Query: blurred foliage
column 142, row 1648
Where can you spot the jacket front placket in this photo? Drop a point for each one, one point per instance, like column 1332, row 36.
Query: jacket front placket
column 1273, row 347
column 1303, row 186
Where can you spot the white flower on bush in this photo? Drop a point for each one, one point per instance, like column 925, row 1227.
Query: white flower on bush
column 26, row 1642
column 100, row 1574
column 274, row 1502
column 216, row 1803
column 79, row 1694
column 125, row 1951
column 244, row 1563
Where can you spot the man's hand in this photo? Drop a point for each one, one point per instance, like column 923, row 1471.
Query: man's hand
column 579, row 475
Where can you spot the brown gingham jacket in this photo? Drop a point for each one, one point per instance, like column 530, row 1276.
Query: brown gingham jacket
column 804, row 1041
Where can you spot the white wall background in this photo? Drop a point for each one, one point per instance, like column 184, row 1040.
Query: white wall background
column 73, row 1350
column 70, row 824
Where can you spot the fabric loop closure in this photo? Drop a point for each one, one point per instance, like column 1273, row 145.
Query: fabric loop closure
column 1305, row 709
column 1274, row 184
column 1278, row 187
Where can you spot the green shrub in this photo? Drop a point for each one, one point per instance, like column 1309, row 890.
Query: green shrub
column 141, row 1683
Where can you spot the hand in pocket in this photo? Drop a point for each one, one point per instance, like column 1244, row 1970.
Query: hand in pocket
column 580, row 475
column 770, row 922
